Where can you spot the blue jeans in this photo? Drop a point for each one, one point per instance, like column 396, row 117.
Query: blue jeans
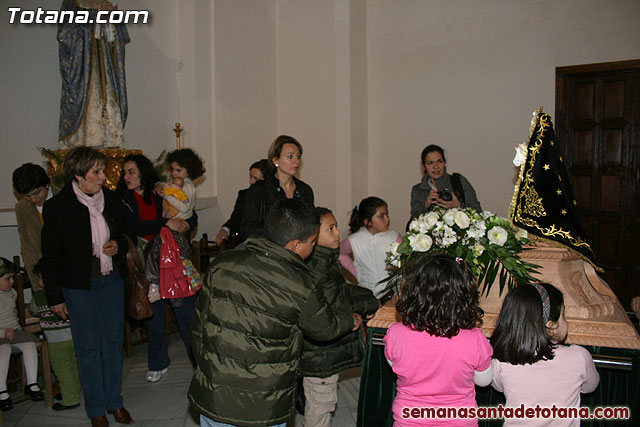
column 208, row 422
column 158, row 353
column 97, row 325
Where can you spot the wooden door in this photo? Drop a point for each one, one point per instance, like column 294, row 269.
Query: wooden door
column 598, row 127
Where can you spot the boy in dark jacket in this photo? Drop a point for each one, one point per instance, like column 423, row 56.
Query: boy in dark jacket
column 252, row 312
column 322, row 361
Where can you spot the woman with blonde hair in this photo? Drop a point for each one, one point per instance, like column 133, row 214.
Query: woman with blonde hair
column 284, row 161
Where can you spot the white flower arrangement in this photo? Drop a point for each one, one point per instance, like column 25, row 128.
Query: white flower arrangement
column 484, row 240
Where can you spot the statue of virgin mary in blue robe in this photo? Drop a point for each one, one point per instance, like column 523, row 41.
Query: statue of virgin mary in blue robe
column 93, row 103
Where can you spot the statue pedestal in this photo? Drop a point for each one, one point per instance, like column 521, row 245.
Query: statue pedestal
column 593, row 312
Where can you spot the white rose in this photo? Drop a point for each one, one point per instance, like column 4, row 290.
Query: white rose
column 448, row 218
column 431, row 219
column 497, row 235
column 394, row 249
column 415, row 224
column 420, row 242
column 521, row 234
column 461, row 219
column 477, row 249
column 521, row 154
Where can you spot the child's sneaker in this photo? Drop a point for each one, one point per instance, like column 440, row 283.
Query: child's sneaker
column 154, row 293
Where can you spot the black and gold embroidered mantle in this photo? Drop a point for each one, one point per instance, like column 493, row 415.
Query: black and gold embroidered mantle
column 543, row 201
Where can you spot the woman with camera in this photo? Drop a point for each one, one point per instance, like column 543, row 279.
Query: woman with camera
column 438, row 188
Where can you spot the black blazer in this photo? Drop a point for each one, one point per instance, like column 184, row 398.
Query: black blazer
column 136, row 227
column 238, row 213
column 66, row 241
column 264, row 194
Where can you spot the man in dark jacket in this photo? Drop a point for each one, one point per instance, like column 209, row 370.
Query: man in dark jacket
column 252, row 312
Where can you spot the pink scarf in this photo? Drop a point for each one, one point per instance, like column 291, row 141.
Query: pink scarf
column 99, row 229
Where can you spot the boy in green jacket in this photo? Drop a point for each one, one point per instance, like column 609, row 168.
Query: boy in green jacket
column 254, row 307
column 321, row 362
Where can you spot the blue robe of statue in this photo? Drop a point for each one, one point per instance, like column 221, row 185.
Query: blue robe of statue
column 93, row 103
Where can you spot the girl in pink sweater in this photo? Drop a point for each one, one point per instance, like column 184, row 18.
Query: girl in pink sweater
column 438, row 351
column 531, row 366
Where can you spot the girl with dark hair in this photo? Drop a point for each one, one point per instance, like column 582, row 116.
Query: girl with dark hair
column 364, row 252
column 531, row 366
column 438, row 350
column 438, row 188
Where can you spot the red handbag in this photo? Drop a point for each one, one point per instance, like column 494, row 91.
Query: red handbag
column 178, row 277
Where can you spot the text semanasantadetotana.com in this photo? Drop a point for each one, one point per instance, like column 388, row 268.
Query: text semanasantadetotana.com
column 518, row 412
column 42, row 16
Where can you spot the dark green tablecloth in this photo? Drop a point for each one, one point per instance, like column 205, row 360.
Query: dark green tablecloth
column 378, row 388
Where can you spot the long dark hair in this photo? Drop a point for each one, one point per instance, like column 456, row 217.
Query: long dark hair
column 521, row 336
column 439, row 295
column 148, row 175
column 364, row 211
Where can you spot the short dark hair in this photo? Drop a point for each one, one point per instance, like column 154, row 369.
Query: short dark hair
column 262, row 165
column 7, row 267
column 80, row 160
column 323, row 211
column 439, row 295
column 148, row 175
column 365, row 210
column 430, row 149
column 28, row 177
column 188, row 159
column 290, row 220
column 275, row 150
column 520, row 336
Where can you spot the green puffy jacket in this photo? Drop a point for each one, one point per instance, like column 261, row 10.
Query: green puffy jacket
column 323, row 359
column 247, row 333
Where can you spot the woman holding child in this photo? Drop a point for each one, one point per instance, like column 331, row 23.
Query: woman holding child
column 81, row 235
column 143, row 213
column 284, row 156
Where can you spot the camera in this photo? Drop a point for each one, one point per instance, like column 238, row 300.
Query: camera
column 445, row 195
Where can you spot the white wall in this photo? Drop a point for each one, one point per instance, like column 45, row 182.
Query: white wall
column 364, row 85
column 245, row 87
column 468, row 74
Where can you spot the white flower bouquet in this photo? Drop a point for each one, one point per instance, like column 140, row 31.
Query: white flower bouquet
column 484, row 240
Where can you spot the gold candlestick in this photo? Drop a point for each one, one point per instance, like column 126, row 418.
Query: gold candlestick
column 178, row 130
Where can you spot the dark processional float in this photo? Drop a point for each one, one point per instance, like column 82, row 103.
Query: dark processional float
column 542, row 240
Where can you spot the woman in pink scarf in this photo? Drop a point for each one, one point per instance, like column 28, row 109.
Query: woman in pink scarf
column 81, row 236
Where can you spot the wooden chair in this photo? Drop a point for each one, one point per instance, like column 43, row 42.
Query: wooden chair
column 31, row 324
column 204, row 250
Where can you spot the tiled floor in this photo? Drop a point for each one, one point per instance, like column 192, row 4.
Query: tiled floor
column 164, row 404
